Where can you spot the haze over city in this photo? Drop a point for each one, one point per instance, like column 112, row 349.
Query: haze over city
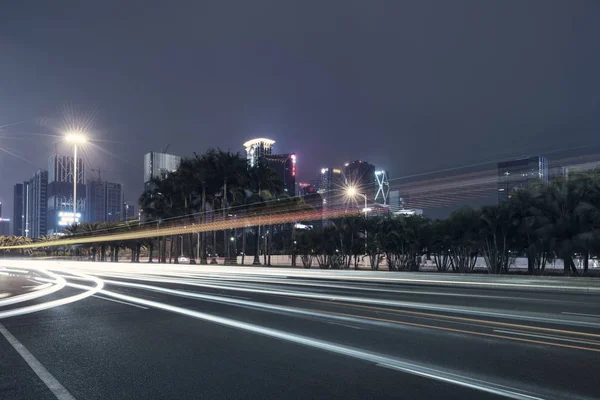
column 479, row 82
column 274, row 199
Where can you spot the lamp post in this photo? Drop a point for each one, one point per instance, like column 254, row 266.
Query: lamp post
column 352, row 192
column 75, row 138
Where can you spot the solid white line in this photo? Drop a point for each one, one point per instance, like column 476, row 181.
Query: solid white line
column 583, row 315
column 119, row 301
column 548, row 337
column 50, row 381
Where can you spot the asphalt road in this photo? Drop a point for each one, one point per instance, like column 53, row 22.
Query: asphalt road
column 121, row 331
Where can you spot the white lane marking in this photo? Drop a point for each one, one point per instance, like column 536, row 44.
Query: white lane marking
column 404, row 366
column 4, row 295
column 548, row 337
column 50, row 381
column 119, row 301
column 582, row 315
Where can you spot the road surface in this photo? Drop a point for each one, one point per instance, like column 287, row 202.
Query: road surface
column 114, row 331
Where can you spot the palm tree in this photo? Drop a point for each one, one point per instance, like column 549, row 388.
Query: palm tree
column 498, row 227
column 464, row 233
column 563, row 204
column 264, row 184
column 231, row 169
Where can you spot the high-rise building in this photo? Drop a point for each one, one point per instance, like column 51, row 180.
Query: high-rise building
column 105, row 201
column 18, row 211
column 382, row 187
column 114, row 202
column 129, row 210
column 96, row 201
column 285, row 167
column 519, row 174
column 4, row 224
column 36, row 205
column 331, row 187
column 60, row 192
column 361, row 175
column 258, row 148
column 158, row 165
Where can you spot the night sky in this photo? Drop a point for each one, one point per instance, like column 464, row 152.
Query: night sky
column 411, row 86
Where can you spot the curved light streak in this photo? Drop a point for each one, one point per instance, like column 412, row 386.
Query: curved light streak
column 57, row 284
column 55, row 303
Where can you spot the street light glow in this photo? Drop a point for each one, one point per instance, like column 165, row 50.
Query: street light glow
column 75, row 138
column 351, row 191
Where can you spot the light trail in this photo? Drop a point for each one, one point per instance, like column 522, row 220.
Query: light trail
column 274, row 219
column 378, row 359
column 57, row 284
column 55, row 303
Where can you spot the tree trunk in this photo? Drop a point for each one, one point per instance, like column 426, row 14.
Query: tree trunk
column 116, row 254
column 177, row 247
column 164, row 250
column 226, row 252
column 269, row 244
column 566, row 266
column 257, row 247
column 203, row 259
column 150, row 249
column 586, row 261
column 171, row 250
column 138, row 250
column 243, row 244
column 191, row 244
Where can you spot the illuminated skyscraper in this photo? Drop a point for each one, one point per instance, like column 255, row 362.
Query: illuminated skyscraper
column 257, row 148
column 158, row 165
column 331, row 187
column 285, row 167
column 36, row 205
column 18, row 211
column 60, row 192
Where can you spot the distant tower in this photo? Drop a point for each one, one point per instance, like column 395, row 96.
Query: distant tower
column 257, row 148
column 159, row 165
column 382, row 191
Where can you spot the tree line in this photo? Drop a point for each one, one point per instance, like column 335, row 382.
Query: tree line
column 542, row 223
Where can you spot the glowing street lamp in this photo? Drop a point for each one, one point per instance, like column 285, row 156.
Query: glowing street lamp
column 351, row 191
column 75, row 138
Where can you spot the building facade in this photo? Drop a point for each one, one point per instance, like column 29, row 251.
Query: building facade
column 158, row 165
column 520, row 174
column 18, row 211
column 382, row 187
column 105, row 201
column 361, row 175
column 4, row 224
column 37, row 206
column 285, row 167
column 60, row 192
column 130, row 211
column 331, row 187
column 258, row 148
